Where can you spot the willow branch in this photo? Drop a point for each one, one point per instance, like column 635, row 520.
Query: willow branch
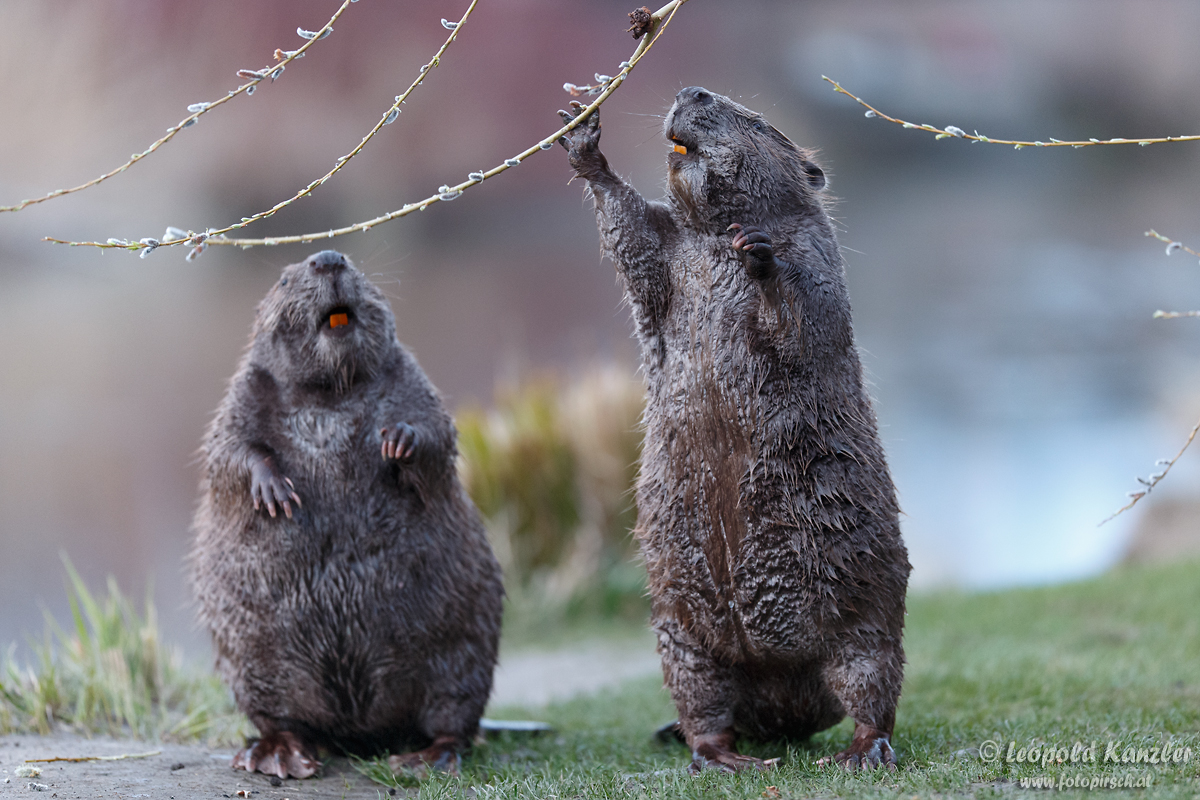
column 951, row 131
column 657, row 26
column 1172, row 246
column 1148, row 484
column 198, row 110
column 389, row 116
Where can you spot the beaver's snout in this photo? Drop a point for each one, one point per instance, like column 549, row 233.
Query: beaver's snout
column 327, row 262
column 694, row 94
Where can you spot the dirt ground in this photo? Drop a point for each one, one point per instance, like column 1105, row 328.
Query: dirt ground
column 176, row 771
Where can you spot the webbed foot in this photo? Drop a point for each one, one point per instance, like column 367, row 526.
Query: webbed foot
column 281, row 753
column 870, row 748
column 442, row 756
column 717, row 751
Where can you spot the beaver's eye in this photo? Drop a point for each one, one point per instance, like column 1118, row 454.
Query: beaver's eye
column 758, row 126
column 283, row 282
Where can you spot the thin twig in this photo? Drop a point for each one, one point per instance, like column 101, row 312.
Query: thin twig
column 271, row 71
column 1153, row 480
column 661, row 19
column 93, row 758
column 1148, row 484
column 1172, row 245
column 958, row 133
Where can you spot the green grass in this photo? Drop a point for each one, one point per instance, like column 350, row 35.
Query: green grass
column 1115, row 659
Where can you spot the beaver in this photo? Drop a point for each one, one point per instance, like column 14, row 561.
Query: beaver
column 767, row 517
column 352, row 596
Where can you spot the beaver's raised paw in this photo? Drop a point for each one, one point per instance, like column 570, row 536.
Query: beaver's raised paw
column 399, row 442
column 268, row 488
column 586, row 135
column 281, row 753
column 754, row 246
column 583, row 143
column 865, row 752
column 441, row 756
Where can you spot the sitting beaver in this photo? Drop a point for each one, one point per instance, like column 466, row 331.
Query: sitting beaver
column 766, row 514
column 352, row 596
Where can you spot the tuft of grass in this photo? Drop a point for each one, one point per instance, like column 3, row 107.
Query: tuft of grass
column 1114, row 660
column 109, row 672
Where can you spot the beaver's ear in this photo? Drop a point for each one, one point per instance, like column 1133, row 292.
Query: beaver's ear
column 816, row 177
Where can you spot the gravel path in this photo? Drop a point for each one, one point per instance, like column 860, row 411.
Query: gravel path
column 175, row 773
column 534, row 678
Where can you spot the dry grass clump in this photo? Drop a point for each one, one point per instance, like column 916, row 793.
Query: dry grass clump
column 552, row 467
column 110, row 673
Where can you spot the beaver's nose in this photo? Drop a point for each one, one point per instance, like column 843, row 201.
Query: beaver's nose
column 695, row 94
column 327, row 262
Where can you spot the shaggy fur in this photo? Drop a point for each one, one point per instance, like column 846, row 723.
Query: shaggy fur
column 766, row 514
column 352, row 597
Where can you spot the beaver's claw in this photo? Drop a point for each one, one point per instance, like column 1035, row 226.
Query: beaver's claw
column 754, row 245
column 441, row 756
column 583, row 144
column 865, row 752
column 268, row 488
column 586, row 134
column 718, row 752
column 281, row 753
column 399, row 442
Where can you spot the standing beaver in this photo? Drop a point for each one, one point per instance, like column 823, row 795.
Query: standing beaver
column 352, row 597
column 766, row 514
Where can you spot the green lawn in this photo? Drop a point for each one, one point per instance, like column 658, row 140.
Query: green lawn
column 1112, row 662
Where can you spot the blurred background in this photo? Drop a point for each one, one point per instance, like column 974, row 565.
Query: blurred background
column 1002, row 299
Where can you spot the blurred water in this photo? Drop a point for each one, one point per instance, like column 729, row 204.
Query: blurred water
column 1016, row 504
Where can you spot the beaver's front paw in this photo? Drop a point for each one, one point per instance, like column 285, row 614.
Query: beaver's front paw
column 583, row 143
column 754, row 246
column 268, row 487
column 399, row 442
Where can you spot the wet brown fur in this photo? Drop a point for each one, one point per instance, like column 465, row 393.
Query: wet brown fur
column 766, row 513
column 366, row 617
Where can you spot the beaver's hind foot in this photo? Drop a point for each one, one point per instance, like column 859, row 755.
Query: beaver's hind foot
column 869, row 749
column 717, row 751
column 442, row 756
column 281, row 753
